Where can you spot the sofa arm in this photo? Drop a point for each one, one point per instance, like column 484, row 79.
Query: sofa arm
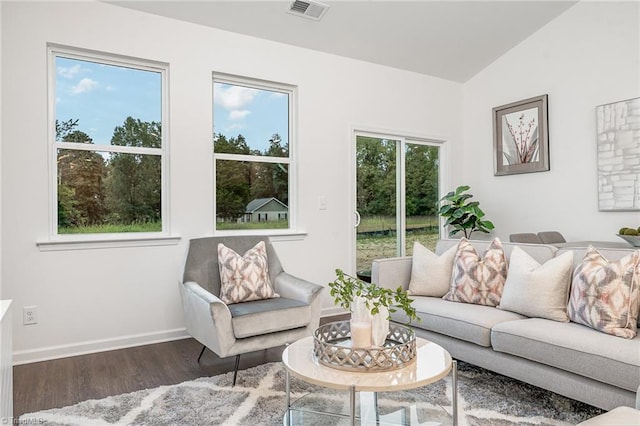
column 392, row 272
column 286, row 285
column 207, row 318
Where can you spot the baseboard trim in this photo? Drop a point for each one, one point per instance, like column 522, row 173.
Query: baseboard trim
column 103, row 345
column 93, row 346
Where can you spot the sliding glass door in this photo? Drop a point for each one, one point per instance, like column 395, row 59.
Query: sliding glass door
column 397, row 187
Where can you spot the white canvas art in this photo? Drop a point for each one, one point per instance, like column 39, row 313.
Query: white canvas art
column 618, row 133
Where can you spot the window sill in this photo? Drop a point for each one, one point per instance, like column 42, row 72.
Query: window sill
column 273, row 234
column 95, row 242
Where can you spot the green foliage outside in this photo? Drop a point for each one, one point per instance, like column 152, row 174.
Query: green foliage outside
column 239, row 182
column 377, row 192
column 116, row 192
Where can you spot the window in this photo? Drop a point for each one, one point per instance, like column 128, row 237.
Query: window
column 108, row 145
column 397, row 188
column 253, row 128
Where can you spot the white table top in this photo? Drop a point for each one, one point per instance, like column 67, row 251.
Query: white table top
column 431, row 364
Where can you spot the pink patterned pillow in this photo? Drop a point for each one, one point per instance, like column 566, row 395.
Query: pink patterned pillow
column 605, row 295
column 244, row 278
column 475, row 279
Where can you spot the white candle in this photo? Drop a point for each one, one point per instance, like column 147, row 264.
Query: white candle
column 360, row 334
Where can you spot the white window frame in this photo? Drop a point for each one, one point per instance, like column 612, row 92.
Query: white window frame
column 58, row 241
column 292, row 92
column 403, row 138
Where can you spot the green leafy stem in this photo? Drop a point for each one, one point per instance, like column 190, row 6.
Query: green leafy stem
column 345, row 288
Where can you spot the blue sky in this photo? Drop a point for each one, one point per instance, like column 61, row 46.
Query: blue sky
column 254, row 113
column 102, row 96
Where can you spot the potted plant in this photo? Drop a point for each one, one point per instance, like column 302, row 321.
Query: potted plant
column 370, row 306
column 462, row 214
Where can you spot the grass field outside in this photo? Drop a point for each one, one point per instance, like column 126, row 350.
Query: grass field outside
column 280, row 224
column 112, row 228
column 376, row 237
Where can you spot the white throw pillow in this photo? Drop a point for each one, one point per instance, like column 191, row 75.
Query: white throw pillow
column 535, row 290
column 430, row 273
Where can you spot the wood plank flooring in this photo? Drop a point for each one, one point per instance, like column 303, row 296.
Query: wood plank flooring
column 61, row 382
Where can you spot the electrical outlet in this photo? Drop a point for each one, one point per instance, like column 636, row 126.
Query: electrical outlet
column 29, row 315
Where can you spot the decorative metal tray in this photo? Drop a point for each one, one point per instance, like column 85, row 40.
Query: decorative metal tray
column 332, row 347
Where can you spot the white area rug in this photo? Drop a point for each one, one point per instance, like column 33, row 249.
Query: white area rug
column 258, row 398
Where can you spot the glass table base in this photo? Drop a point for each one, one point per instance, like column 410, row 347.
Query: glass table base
column 334, row 409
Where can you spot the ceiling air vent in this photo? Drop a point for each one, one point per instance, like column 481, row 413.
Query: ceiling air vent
column 308, row 9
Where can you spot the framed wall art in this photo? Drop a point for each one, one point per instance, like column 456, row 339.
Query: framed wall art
column 521, row 137
column 618, row 142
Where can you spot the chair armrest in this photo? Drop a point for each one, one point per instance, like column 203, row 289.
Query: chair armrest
column 286, row 285
column 208, row 318
column 392, row 272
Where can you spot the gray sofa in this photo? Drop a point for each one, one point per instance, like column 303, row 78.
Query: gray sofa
column 567, row 358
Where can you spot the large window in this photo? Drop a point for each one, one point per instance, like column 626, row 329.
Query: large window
column 253, row 128
column 397, row 187
column 107, row 118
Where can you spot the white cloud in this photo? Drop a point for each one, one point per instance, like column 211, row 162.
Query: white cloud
column 238, row 114
column 84, row 85
column 234, row 97
column 69, row 72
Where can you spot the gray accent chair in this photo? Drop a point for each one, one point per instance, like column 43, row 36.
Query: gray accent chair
column 525, row 237
column 551, row 237
column 239, row 328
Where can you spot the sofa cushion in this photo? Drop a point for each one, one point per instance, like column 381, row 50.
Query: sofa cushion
column 464, row 321
column 430, row 273
column 244, row 278
column 478, row 279
column 572, row 347
column 605, row 295
column 251, row 318
column 538, row 290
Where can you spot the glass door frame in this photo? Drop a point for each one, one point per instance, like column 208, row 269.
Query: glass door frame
column 403, row 138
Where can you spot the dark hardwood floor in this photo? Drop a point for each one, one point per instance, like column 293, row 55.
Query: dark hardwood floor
column 61, row 382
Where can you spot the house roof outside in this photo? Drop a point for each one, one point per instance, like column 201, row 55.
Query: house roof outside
column 260, row 202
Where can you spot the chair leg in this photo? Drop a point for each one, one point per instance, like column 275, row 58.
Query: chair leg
column 201, row 352
column 235, row 370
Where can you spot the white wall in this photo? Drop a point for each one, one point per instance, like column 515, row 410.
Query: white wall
column 93, row 299
column 588, row 56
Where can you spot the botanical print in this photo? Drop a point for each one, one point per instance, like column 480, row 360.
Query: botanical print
column 520, row 137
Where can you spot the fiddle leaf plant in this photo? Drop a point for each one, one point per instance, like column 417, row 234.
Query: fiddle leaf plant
column 461, row 214
column 345, row 288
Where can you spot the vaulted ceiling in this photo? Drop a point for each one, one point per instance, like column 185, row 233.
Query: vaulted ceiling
column 453, row 40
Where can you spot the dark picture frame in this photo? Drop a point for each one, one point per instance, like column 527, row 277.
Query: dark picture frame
column 521, row 137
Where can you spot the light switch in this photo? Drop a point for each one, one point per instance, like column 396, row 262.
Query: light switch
column 322, row 202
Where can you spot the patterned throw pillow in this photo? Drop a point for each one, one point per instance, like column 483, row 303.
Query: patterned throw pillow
column 244, row 278
column 475, row 279
column 430, row 273
column 605, row 295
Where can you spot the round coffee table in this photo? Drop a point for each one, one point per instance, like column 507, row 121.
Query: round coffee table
column 431, row 364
